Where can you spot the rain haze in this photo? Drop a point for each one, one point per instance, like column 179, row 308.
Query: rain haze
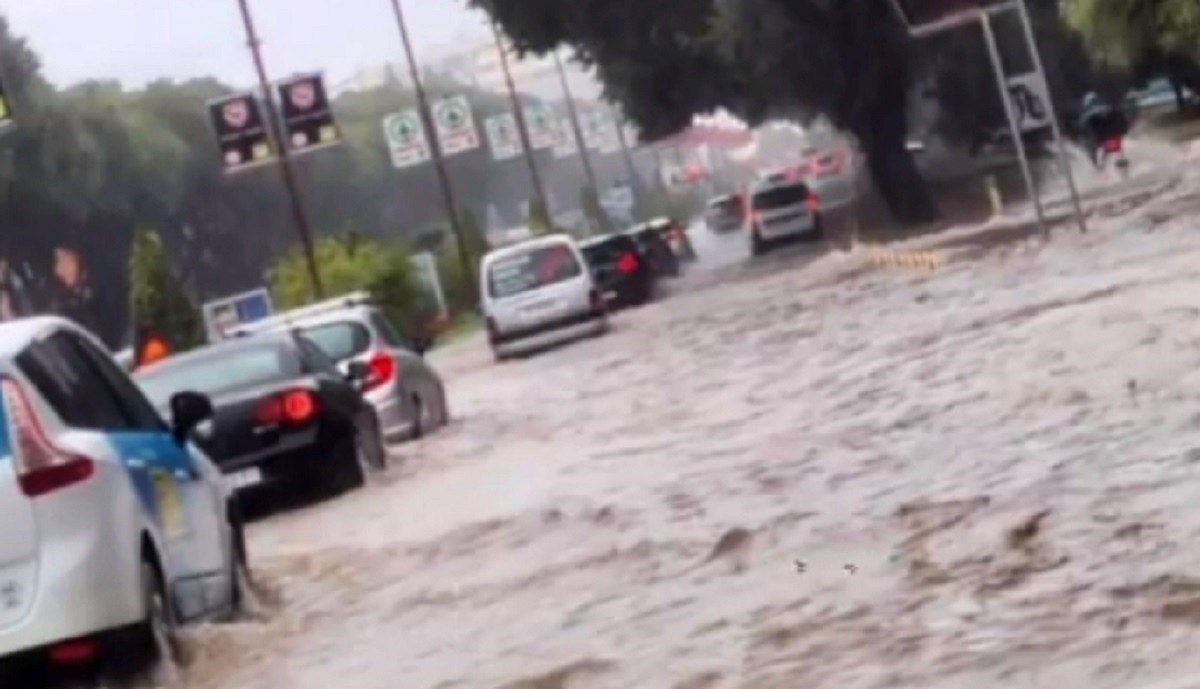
column 137, row 41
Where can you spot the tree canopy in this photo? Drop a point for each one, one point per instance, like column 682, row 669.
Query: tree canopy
column 1146, row 37
column 850, row 61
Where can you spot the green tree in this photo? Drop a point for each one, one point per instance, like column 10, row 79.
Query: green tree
column 384, row 270
column 538, row 218
column 157, row 300
column 1146, row 37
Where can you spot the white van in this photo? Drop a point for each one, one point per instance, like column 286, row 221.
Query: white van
column 537, row 292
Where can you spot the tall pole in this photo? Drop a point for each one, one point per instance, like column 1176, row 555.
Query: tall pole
column 635, row 180
column 1059, row 141
column 539, row 191
column 989, row 36
column 577, row 130
column 285, row 158
column 435, row 148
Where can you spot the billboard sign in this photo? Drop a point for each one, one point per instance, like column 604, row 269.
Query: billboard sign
column 308, row 121
column 502, row 135
column 406, row 138
column 241, row 131
column 543, row 126
column 455, row 125
column 222, row 315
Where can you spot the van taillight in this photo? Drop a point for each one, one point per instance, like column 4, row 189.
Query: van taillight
column 814, row 203
column 41, row 467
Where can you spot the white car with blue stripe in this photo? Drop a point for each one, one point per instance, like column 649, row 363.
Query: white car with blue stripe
column 114, row 527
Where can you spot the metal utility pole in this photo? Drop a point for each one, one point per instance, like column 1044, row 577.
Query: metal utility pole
column 539, row 191
column 285, row 160
column 435, row 148
column 577, row 130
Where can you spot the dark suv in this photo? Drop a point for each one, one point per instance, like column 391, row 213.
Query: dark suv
column 622, row 272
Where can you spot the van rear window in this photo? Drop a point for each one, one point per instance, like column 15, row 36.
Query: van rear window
column 781, row 197
column 531, row 269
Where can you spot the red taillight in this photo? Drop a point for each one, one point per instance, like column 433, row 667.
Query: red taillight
column 627, row 264
column 41, row 467
column 1114, row 145
column 292, row 408
column 74, row 652
column 814, row 203
column 383, row 371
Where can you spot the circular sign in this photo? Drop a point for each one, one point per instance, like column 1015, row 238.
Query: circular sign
column 303, row 95
column 452, row 115
column 236, row 113
column 403, row 128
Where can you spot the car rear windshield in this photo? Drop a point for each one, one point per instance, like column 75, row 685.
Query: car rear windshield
column 780, row 197
column 219, row 371
column 729, row 207
column 545, row 265
column 341, row 340
column 610, row 250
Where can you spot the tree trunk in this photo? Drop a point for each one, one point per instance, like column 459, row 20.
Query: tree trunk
column 894, row 173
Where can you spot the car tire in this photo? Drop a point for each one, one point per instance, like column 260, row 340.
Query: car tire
column 347, row 473
column 758, row 245
column 419, row 411
column 155, row 652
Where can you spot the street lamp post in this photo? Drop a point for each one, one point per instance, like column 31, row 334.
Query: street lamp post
column 539, row 191
column 577, row 131
column 435, row 148
column 285, row 159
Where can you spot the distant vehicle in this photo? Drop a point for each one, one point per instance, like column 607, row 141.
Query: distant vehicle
column 780, row 211
column 285, row 415
column 676, row 235
column 114, row 527
column 726, row 213
column 830, row 177
column 1159, row 92
column 408, row 394
column 653, row 245
column 538, row 292
column 623, row 273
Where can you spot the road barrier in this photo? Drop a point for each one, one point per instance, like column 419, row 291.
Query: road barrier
column 924, row 261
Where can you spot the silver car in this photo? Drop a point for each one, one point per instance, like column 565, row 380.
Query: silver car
column 408, row 395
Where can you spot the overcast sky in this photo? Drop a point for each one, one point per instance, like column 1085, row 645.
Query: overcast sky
column 140, row 40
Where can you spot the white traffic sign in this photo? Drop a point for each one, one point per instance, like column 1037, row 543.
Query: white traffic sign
column 406, row 138
column 502, row 135
column 455, row 125
column 542, row 125
column 1030, row 101
column 566, row 146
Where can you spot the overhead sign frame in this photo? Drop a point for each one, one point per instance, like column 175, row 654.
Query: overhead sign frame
column 925, row 18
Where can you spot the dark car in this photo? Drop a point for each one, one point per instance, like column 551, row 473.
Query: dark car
column 654, row 246
column 623, row 274
column 285, row 416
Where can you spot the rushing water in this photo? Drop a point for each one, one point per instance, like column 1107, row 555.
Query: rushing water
column 832, row 476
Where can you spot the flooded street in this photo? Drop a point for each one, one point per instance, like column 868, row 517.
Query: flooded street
column 819, row 474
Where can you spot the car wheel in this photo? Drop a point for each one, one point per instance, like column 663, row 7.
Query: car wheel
column 157, row 650
column 758, row 245
column 348, row 470
column 419, row 422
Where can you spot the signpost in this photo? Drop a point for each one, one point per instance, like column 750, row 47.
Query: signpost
column 543, row 129
column 406, row 139
column 502, row 135
column 308, row 122
column 455, row 125
column 1023, row 96
column 241, row 131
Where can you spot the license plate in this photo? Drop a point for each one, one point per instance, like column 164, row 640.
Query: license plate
column 247, row 478
column 610, row 294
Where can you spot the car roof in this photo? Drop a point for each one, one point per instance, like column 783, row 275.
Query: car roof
column 15, row 335
column 276, row 337
column 357, row 313
column 603, row 239
column 527, row 245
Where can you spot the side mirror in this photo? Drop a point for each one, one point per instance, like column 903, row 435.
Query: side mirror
column 188, row 410
column 357, row 372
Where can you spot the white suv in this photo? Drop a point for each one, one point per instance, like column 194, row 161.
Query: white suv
column 114, row 528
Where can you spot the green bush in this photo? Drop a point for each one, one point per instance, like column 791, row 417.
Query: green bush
column 352, row 264
column 158, row 302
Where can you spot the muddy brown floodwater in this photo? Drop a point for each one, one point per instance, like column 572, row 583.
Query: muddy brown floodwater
column 819, row 476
